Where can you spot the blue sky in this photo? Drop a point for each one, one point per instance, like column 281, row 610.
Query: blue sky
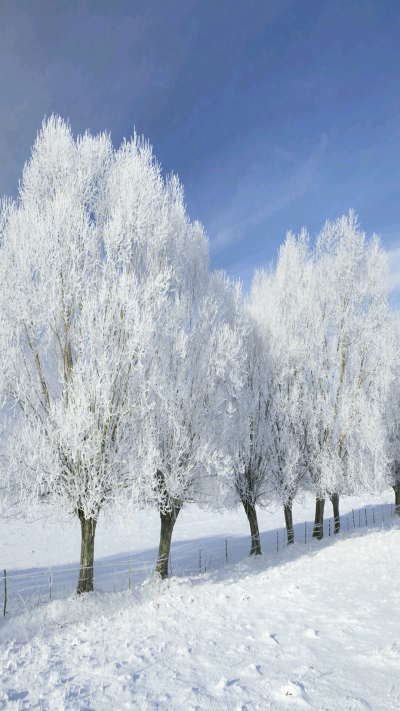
column 275, row 115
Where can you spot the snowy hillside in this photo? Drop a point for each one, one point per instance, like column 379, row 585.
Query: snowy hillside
column 316, row 626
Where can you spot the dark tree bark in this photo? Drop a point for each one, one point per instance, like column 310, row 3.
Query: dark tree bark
column 168, row 521
column 396, row 488
column 251, row 514
column 336, row 515
column 289, row 522
column 88, row 528
column 318, row 531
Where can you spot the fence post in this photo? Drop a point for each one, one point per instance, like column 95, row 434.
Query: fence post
column 354, row 523
column 200, row 561
column 329, row 527
column 347, row 523
column 5, row 592
column 373, row 516
column 226, row 551
column 382, row 514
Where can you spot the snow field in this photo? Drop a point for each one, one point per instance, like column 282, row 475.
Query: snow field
column 316, row 627
column 41, row 557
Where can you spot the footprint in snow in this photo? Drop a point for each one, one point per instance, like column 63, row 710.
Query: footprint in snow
column 293, row 693
column 311, row 634
column 270, row 638
column 225, row 684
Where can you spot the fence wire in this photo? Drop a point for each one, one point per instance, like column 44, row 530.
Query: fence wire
column 25, row 590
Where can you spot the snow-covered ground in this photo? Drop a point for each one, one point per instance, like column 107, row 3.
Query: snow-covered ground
column 314, row 626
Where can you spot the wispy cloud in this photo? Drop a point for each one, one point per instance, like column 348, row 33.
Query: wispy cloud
column 235, row 222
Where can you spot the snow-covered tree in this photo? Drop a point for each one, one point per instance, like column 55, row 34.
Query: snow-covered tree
column 197, row 375
column 392, row 421
column 353, row 355
column 248, row 440
column 88, row 257
column 265, row 451
column 275, row 300
column 394, row 449
column 324, row 312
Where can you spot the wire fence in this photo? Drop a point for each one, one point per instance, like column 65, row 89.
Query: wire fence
column 27, row 589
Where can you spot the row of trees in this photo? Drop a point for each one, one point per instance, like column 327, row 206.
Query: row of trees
column 133, row 377
column 330, row 346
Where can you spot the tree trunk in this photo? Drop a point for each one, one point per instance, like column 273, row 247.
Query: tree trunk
column 336, row 515
column 88, row 528
column 396, row 488
column 289, row 522
column 168, row 520
column 318, row 531
column 251, row 514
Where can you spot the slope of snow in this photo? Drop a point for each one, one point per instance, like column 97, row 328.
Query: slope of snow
column 38, row 552
column 315, row 627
